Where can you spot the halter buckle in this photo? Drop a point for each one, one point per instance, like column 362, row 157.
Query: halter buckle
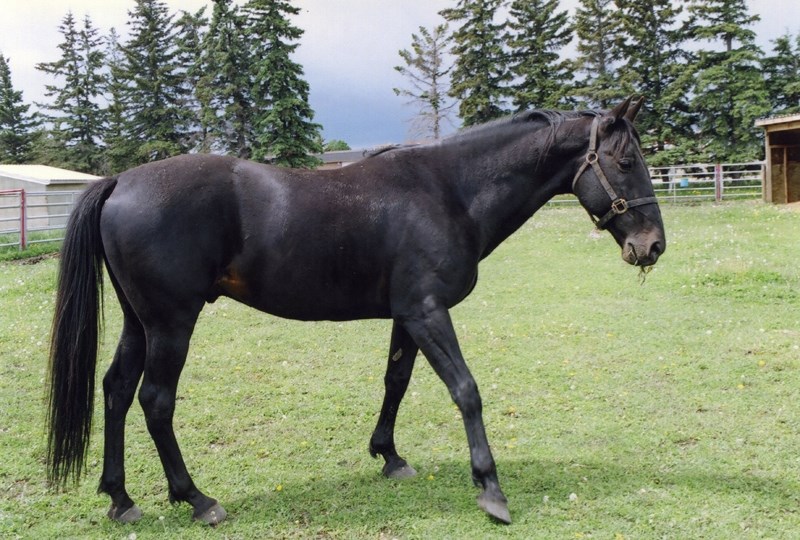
column 620, row 206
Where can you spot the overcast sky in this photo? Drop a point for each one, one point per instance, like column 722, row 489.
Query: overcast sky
column 348, row 51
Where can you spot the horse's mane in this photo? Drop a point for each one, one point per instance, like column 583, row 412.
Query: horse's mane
column 546, row 118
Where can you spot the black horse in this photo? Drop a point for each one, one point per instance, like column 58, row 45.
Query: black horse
column 397, row 235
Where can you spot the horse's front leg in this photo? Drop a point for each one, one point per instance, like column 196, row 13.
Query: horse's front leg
column 402, row 353
column 431, row 328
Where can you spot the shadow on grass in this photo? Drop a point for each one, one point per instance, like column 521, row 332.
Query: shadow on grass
column 367, row 501
column 363, row 503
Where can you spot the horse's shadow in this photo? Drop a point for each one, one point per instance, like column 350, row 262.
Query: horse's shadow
column 369, row 501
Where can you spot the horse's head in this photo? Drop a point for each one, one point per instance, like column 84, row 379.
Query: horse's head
column 612, row 183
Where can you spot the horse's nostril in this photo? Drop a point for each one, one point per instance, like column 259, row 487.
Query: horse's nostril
column 656, row 249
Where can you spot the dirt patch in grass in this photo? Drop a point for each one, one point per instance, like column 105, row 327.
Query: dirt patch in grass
column 36, row 259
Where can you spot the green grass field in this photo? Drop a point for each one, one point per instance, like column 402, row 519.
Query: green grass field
column 615, row 409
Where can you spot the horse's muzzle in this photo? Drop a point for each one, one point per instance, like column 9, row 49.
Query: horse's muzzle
column 644, row 251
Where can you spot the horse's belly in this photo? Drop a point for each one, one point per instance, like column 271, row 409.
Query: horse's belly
column 301, row 295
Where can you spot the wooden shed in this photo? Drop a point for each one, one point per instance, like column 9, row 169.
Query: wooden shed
column 782, row 149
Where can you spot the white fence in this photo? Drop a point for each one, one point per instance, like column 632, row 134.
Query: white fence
column 703, row 182
column 29, row 217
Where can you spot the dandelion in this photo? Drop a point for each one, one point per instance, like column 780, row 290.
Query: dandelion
column 431, row 477
column 762, row 363
column 740, row 386
column 573, row 497
column 279, row 487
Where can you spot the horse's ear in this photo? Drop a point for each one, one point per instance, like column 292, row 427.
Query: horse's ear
column 616, row 113
column 633, row 109
column 620, row 110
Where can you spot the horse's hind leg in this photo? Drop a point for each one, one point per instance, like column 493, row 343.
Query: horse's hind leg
column 402, row 353
column 119, row 387
column 167, row 346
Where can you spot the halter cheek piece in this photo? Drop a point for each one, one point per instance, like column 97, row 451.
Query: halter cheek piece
column 618, row 204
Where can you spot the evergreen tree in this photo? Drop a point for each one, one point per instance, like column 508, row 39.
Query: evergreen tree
column 285, row 133
column 120, row 150
column 537, row 32
column 77, row 119
column 157, row 121
column 730, row 93
column 426, row 74
column 597, row 27
column 480, row 73
column 782, row 70
column 224, row 87
column 190, row 30
column 16, row 124
column 652, row 50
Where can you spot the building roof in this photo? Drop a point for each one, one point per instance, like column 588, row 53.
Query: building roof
column 44, row 174
column 343, row 156
column 789, row 121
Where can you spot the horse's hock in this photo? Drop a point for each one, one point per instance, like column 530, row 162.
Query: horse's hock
column 782, row 149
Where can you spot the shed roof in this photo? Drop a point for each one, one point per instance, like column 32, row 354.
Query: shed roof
column 44, row 174
column 779, row 123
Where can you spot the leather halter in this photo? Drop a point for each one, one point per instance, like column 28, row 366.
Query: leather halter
column 618, row 204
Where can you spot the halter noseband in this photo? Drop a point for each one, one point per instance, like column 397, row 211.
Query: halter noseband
column 618, row 204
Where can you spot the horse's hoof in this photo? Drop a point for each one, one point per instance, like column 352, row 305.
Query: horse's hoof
column 399, row 472
column 213, row 516
column 131, row 515
column 496, row 506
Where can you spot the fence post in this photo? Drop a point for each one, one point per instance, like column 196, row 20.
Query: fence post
column 23, row 222
column 718, row 182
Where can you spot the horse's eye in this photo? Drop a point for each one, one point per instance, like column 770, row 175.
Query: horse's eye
column 625, row 164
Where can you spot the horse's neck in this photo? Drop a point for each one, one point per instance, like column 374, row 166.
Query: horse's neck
column 504, row 187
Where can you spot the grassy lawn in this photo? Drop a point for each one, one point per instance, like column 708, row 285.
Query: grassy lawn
column 615, row 409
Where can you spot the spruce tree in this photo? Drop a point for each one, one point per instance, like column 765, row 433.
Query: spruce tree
column 480, row 75
column 597, row 28
column 16, row 124
column 285, row 133
column 537, row 31
column 782, row 71
column 154, row 95
column 426, row 73
column 224, row 88
column 730, row 93
column 190, row 31
column 120, row 149
column 652, row 48
column 76, row 117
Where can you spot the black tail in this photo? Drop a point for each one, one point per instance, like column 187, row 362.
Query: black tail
column 73, row 343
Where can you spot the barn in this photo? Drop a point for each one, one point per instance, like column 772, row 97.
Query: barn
column 782, row 150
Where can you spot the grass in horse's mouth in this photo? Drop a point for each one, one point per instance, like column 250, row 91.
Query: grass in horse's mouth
column 643, row 271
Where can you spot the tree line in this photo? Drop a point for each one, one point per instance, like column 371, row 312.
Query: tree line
column 696, row 62
column 182, row 82
column 225, row 81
